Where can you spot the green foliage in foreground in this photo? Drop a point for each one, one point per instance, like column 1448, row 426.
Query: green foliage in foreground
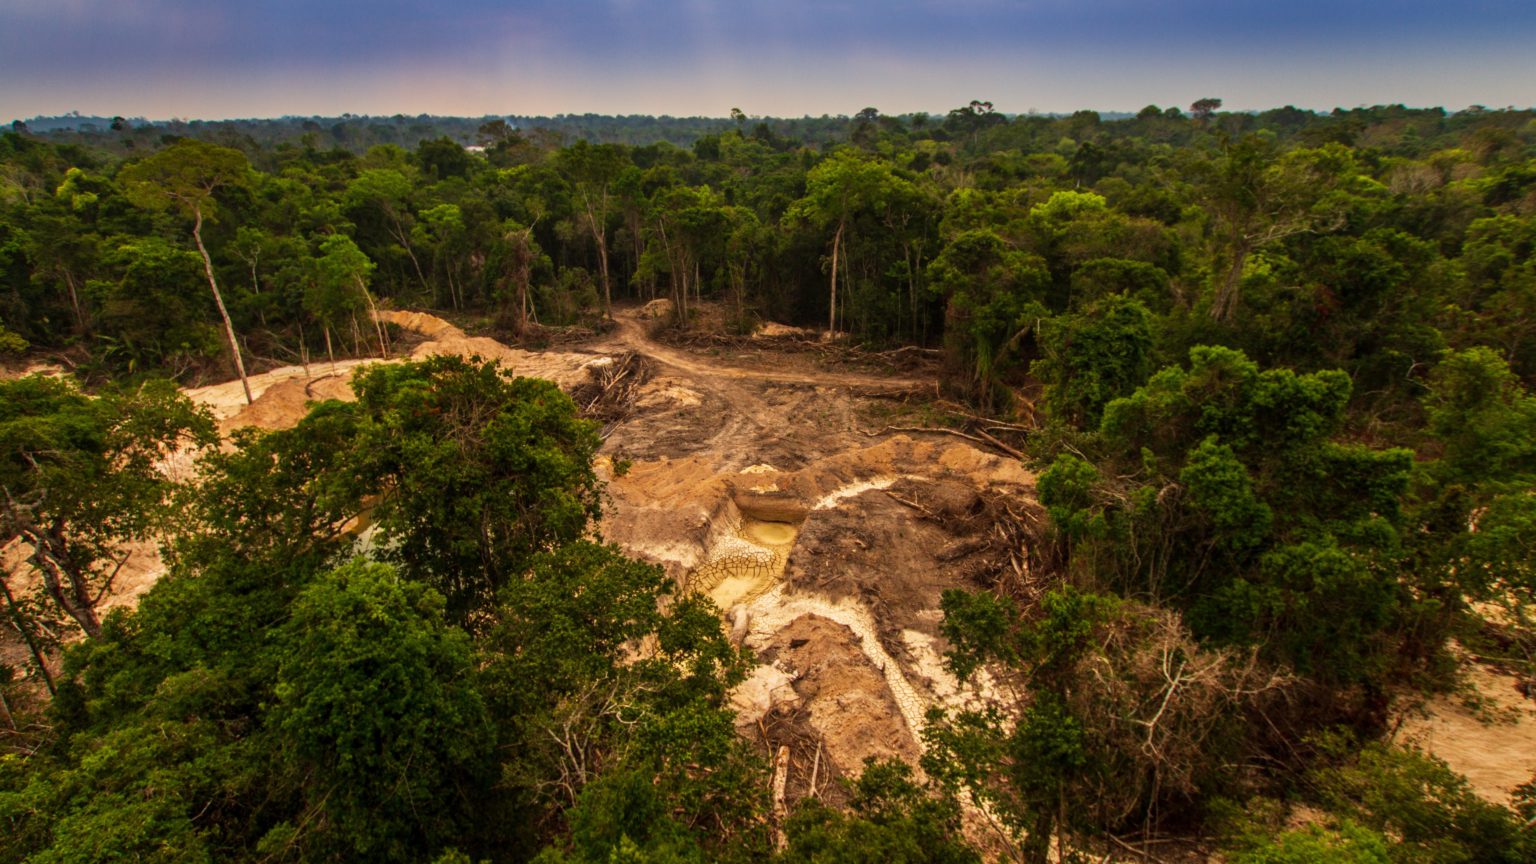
column 890, row 819
column 80, row 475
column 473, row 472
column 276, row 698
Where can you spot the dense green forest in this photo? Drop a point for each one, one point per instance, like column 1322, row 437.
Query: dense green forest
column 1277, row 369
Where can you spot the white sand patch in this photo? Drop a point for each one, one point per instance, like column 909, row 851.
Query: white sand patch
column 833, row 498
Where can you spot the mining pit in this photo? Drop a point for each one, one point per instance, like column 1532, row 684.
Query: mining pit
column 763, row 482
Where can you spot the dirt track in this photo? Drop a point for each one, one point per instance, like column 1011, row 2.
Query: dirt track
column 771, row 412
column 631, row 334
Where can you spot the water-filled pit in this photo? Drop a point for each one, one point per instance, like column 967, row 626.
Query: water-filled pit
column 745, row 563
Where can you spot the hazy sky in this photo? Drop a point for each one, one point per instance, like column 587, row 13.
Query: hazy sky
column 262, row 58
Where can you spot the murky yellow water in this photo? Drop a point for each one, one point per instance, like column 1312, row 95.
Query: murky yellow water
column 769, row 533
column 748, row 564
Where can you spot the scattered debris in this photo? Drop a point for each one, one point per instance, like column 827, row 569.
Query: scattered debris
column 612, row 386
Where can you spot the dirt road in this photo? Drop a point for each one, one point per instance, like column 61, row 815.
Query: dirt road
column 631, row 335
column 774, row 411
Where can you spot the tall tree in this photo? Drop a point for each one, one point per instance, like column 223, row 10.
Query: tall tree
column 522, row 253
column 593, row 170
column 476, row 470
column 185, row 176
column 993, row 297
column 836, row 190
column 1259, row 197
column 388, row 191
column 344, row 268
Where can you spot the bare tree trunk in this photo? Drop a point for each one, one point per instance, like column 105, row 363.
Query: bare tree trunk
column 20, row 623
column 636, row 229
column 373, row 313
column 328, row 352
column 837, row 245
column 405, row 243
column 1224, row 306
column 600, row 236
column 10, row 716
column 678, row 277
column 229, row 326
column 780, row 808
column 81, row 324
column 602, row 269
column 256, row 286
column 847, row 289
column 50, row 555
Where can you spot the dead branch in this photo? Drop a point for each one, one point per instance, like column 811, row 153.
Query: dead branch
column 780, row 809
column 913, row 504
column 612, row 385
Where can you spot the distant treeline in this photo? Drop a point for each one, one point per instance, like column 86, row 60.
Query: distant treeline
column 359, row 132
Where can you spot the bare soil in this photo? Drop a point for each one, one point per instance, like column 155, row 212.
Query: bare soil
column 1487, row 732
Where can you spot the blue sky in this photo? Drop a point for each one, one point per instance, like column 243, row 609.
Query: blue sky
column 258, row 58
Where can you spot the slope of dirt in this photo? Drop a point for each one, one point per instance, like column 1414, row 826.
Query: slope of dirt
column 282, row 396
column 283, row 402
column 845, row 692
column 565, row 368
column 227, row 400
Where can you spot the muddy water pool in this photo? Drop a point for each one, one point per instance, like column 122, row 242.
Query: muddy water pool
column 745, row 563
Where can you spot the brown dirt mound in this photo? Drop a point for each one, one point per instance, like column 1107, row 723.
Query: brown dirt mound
column 886, row 555
column 227, row 399
column 286, row 402
column 849, row 703
column 655, row 310
column 429, row 326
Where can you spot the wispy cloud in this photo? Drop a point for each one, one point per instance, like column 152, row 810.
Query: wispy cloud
column 653, row 53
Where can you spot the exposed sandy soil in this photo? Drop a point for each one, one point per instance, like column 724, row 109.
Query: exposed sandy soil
column 1487, row 734
column 844, row 690
column 282, row 395
column 844, row 620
